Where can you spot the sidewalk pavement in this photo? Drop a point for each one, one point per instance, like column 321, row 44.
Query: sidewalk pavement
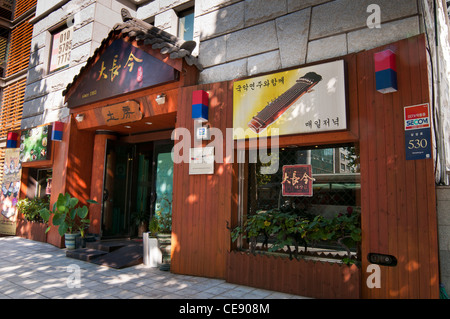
column 35, row 270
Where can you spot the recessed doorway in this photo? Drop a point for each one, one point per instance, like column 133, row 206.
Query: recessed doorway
column 138, row 180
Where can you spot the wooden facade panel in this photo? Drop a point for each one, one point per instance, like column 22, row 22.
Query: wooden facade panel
column 11, row 111
column 22, row 6
column 397, row 217
column 20, row 48
column 202, row 203
column 304, row 278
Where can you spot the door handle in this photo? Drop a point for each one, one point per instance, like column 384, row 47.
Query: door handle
column 105, row 195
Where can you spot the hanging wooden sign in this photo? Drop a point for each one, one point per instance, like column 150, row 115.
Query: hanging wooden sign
column 120, row 69
column 297, row 180
column 120, row 113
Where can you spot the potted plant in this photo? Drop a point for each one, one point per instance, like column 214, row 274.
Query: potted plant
column 30, row 207
column 152, row 252
column 163, row 217
column 70, row 219
column 140, row 219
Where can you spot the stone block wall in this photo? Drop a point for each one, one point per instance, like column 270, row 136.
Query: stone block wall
column 236, row 38
column 243, row 38
column 443, row 213
column 92, row 21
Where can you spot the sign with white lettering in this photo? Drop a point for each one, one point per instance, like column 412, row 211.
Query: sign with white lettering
column 417, row 116
column 201, row 160
column 417, row 132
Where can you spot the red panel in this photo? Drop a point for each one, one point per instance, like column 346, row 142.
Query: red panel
column 385, row 60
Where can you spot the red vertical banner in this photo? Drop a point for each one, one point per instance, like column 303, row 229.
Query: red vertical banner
column 297, row 180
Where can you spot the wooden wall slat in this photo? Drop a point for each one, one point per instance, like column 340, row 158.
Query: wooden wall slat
column 11, row 111
column 397, row 219
column 202, row 203
column 247, row 269
column 22, row 6
column 20, row 48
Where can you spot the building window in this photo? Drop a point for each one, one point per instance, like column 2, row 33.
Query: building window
column 61, row 48
column 4, row 44
column 314, row 222
column 186, row 24
column 6, row 8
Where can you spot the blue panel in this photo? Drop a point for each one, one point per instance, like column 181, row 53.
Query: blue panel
column 200, row 112
column 11, row 144
column 418, row 144
column 386, row 81
column 57, row 135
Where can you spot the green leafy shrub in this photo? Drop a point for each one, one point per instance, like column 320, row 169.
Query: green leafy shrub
column 292, row 230
column 66, row 216
column 30, row 208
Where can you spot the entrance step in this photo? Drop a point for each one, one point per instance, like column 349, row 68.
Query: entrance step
column 85, row 254
column 129, row 255
column 114, row 254
column 107, row 246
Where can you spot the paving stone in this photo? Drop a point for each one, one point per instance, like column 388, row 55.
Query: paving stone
column 49, row 281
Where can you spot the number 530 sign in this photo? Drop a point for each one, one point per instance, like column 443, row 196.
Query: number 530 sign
column 417, row 132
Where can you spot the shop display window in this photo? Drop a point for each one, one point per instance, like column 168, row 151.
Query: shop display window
column 323, row 222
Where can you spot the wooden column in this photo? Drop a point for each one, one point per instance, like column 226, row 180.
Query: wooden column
column 71, row 169
column 97, row 178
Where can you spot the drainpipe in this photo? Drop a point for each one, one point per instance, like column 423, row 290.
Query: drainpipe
column 442, row 179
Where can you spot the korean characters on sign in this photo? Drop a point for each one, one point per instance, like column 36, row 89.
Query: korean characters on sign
column 417, row 132
column 297, row 180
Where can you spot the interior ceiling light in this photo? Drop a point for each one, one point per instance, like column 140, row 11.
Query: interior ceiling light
column 161, row 99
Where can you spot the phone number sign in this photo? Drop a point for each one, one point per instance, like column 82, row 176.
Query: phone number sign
column 417, row 132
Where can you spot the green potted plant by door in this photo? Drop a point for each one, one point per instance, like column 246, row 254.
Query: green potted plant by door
column 140, row 219
column 163, row 216
column 70, row 219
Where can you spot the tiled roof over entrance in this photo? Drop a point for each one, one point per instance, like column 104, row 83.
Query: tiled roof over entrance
column 159, row 39
column 167, row 43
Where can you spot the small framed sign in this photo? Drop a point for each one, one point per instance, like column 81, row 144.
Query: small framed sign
column 201, row 160
column 417, row 132
column 297, row 180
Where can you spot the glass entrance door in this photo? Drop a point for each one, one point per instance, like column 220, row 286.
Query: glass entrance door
column 138, row 184
column 163, row 185
column 117, row 190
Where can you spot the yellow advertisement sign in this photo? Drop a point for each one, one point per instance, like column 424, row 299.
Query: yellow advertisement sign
column 305, row 100
column 12, row 172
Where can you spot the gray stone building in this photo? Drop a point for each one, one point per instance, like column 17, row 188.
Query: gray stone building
column 234, row 39
column 241, row 38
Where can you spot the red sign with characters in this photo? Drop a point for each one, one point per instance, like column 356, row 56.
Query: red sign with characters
column 417, row 116
column 297, row 180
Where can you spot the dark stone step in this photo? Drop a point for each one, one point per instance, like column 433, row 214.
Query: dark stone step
column 129, row 255
column 85, row 254
column 115, row 254
column 107, row 246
